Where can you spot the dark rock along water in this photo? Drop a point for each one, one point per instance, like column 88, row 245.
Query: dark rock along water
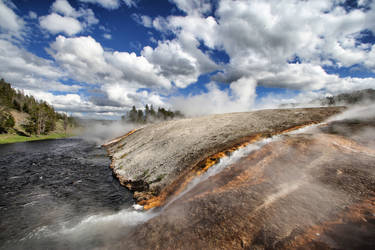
column 54, row 182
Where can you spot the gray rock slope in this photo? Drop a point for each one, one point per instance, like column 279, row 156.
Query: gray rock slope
column 156, row 156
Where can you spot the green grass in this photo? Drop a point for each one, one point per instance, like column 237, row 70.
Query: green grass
column 12, row 138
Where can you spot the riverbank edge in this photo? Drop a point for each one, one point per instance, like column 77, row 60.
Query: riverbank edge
column 12, row 138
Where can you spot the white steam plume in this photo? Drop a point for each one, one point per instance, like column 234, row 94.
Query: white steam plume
column 100, row 132
column 362, row 112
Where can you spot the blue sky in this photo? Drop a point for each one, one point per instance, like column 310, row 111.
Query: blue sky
column 97, row 58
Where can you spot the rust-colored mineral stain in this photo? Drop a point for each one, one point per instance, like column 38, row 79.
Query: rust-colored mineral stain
column 118, row 138
column 180, row 185
column 129, row 133
column 159, row 200
column 155, row 201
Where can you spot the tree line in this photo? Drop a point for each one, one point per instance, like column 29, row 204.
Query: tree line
column 148, row 114
column 42, row 116
column 355, row 97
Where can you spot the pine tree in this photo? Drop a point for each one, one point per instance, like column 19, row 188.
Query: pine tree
column 140, row 116
column 66, row 122
column 152, row 112
column 132, row 114
column 147, row 113
column 6, row 121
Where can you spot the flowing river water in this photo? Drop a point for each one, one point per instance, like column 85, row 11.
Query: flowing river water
column 48, row 187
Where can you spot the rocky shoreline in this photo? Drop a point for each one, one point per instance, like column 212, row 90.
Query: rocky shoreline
column 158, row 160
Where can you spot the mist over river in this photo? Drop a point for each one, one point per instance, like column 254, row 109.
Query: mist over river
column 49, row 187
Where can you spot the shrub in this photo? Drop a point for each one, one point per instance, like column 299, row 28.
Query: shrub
column 6, row 121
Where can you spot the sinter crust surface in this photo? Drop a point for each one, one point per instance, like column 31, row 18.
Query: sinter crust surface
column 152, row 158
column 311, row 190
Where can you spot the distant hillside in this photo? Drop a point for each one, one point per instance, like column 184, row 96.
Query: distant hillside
column 344, row 99
column 356, row 97
column 24, row 115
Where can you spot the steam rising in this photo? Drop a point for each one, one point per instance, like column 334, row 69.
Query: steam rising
column 105, row 226
column 362, row 113
column 102, row 131
column 91, row 231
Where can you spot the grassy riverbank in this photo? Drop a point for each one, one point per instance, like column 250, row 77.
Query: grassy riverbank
column 12, row 138
column 21, row 118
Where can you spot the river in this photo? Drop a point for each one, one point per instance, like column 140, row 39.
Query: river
column 49, row 187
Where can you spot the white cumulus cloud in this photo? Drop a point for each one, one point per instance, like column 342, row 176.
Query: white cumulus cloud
column 120, row 74
column 107, row 36
column 261, row 37
column 180, row 60
column 67, row 20
column 238, row 98
column 33, row 15
column 9, row 20
column 55, row 23
column 27, row 71
column 111, row 4
column 143, row 20
column 63, row 7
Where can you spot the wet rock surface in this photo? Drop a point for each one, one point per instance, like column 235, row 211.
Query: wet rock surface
column 44, row 183
column 154, row 160
column 314, row 190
